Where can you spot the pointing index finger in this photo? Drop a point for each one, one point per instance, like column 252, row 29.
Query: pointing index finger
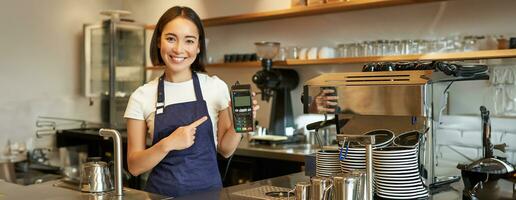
column 198, row 122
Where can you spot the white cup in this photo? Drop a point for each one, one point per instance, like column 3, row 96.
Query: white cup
column 326, row 52
column 312, row 53
column 302, row 53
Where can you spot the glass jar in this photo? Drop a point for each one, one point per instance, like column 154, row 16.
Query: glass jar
column 293, row 53
column 354, row 49
column 379, row 47
column 469, row 43
column 342, row 50
column 368, row 48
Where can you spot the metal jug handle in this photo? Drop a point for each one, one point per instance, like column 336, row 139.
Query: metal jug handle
column 291, row 191
column 327, row 194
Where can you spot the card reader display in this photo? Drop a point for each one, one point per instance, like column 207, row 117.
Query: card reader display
column 242, row 108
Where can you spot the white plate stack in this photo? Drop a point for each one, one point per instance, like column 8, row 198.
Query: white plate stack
column 397, row 173
column 327, row 163
column 353, row 160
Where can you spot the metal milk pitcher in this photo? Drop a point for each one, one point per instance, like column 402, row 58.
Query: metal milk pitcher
column 302, row 191
column 321, row 188
column 347, row 187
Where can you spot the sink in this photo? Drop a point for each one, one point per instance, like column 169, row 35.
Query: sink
column 31, row 176
column 70, row 184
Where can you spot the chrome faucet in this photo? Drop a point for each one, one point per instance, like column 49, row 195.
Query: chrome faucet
column 117, row 147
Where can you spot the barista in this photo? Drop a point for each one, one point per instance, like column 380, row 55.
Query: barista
column 185, row 112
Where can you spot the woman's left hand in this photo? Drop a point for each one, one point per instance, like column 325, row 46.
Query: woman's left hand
column 256, row 107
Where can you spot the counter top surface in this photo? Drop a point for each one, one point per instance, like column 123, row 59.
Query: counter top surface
column 291, row 152
column 284, row 183
column 50, row 191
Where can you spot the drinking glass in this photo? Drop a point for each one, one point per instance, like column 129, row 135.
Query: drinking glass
column 469, row 43
column 405, row 47
column 368, row 48
column 293, row 53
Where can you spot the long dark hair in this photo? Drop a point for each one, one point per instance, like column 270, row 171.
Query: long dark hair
column 169, row 15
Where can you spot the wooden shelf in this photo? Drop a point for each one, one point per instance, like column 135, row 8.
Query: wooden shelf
column 236, row 64
column 306, row 11
column 475, row 55
column 233, row 64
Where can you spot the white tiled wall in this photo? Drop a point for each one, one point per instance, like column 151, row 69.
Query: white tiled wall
column 459, row 140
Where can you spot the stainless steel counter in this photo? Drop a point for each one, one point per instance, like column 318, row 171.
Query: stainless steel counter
column 289, row 152
column 256, row 189
column 47, row 191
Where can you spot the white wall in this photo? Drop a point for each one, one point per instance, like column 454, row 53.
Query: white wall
column 40, row 56
column 429, row 20
column 40, row 44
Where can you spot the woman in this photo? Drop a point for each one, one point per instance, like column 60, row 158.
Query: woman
column 181, row 111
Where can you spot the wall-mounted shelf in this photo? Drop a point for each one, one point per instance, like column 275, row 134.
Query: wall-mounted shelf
column 236, row 64
column 233, row 64
column 306, row 11
column 474, row 55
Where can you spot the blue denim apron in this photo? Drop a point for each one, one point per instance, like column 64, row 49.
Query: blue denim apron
column 190, row 170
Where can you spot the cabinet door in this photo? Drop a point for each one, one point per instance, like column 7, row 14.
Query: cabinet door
column 120, row 46
column 129, row 55
column 96, row 60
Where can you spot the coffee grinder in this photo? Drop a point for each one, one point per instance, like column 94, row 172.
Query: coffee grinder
column 275, row 83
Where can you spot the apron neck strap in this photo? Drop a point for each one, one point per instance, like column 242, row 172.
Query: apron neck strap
column 160, row 103
column 197, row 87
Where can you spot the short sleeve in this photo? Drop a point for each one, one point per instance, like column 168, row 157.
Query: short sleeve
column 134, row 109
column 222, row 94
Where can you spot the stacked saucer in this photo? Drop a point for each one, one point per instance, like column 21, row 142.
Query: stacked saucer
column 327, row 163
column 409, row 139
column 354, row 159
column 397, row 173
column 383, row 137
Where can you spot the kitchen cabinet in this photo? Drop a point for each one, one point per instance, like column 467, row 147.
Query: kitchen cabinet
column 114, row 65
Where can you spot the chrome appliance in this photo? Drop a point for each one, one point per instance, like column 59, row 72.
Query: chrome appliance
column 488, row 168
column 399, row 101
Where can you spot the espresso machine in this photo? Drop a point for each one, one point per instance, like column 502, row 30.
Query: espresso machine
column 399, row 101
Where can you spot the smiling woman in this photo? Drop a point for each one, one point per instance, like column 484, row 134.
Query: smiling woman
column 179, row 44
column 184, row 112
column 167, row 28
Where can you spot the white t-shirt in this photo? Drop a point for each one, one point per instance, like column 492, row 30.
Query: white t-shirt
column 142, row 104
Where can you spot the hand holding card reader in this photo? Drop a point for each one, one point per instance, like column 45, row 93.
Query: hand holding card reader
column 242, row 108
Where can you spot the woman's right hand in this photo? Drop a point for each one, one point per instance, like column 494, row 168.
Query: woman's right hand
column 183, row 137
